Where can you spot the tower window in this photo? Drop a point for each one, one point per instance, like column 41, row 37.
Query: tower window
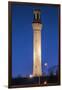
column 37, row 16
column 34, row 16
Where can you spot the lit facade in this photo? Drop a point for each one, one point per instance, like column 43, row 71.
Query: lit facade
column 37, row 27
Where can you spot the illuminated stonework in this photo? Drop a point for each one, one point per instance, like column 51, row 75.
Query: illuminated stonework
column 37, row 26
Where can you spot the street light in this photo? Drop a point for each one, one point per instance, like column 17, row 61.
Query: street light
column 30, row 75
column 46, row 64
column 45, row 82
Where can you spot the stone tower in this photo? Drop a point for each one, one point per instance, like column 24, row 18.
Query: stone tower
column 37, row 26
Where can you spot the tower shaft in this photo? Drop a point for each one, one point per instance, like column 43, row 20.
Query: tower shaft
column 37, row 26
column 37, row 53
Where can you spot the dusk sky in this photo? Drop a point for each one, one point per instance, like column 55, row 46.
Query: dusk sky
column 22, row 38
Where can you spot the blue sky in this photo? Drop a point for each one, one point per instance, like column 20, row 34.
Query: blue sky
column 22, row 38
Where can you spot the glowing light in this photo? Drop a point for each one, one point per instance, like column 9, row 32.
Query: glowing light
column 45, row 82
column 30, row 76
column 46, row 64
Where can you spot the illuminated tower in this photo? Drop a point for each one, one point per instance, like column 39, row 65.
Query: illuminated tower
column 37, row 26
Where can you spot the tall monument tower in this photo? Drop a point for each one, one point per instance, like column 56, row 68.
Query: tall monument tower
column 37, row 26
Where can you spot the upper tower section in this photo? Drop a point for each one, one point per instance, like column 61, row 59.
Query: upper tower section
column 36, row 18
column 36, row 24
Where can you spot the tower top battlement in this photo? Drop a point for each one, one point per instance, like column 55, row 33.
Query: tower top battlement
column 36, row 11
column 36, row 24
column 36, row 18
